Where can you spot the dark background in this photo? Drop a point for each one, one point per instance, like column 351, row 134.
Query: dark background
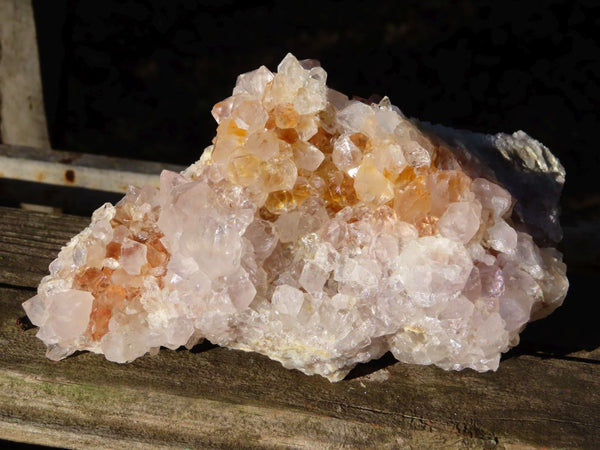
column 138, row 78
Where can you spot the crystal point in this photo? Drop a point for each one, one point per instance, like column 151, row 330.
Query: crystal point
column 321, row 232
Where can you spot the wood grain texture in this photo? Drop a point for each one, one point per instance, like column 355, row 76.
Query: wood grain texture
column 22, row 115
column 29, row 241
column 96, row 172
column 215, row 397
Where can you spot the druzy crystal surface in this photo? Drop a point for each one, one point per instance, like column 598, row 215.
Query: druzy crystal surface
column 322, row 232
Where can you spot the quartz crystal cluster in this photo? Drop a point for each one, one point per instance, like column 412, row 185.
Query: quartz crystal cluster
column 317, row 230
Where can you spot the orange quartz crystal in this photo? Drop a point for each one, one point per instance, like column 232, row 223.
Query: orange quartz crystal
column 110, row 293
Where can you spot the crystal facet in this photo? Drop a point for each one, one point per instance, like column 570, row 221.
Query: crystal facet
column 321, row 232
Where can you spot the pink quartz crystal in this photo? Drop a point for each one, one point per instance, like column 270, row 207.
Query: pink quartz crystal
column 321, row 232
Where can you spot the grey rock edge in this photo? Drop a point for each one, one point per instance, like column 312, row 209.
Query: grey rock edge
column 522, row 165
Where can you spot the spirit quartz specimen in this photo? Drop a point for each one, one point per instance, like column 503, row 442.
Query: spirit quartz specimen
column 321, row 232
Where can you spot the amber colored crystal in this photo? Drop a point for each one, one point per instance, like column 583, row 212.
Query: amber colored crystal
column 285, row 116
column 361, row 140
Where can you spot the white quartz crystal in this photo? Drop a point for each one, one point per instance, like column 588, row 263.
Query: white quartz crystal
column 320, row 231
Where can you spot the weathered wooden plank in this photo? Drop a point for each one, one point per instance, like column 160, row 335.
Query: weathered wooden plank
column 218, row 397
column 105, row 173
column 29, row 241
column 22, row 117
column 215, row 396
